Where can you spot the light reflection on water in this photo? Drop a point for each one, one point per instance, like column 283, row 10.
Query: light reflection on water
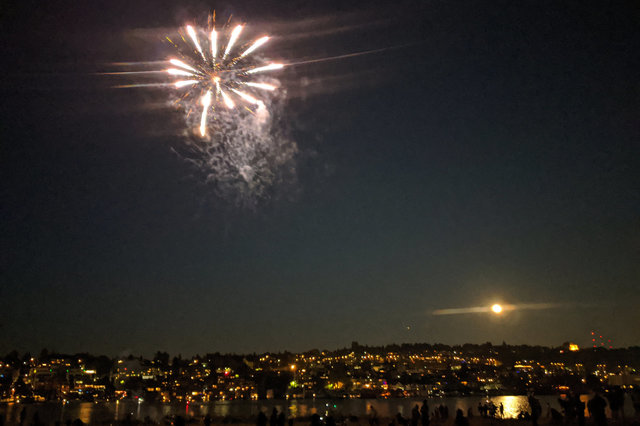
column 247, row 410
column 512, row 406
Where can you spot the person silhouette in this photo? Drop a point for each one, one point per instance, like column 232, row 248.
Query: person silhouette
column 424, row 413
column 536, row 409
column 415, row 415
column 579, row 407
column 460, row 419
column 616, row 402
column 262, row 419
column 596, row 406
column 315, row 420
column 373, row 415
column 635, row 401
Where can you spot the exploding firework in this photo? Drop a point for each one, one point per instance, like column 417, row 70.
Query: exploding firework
column 212, row 75
column 232, row 104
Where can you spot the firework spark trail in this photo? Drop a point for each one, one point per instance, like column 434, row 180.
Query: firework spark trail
column 263, row 86
column 194, row 38
column 132, row 72
column 135, row 64
column 130, row 86
column 255, row 45
column 232, row 40
column 175, row 71
column 183, row 83
column 206, row 103
column 246, row 97
column 183, row 65
column 214, row 45
column 353, row 55
column 227, row 100
column 269, row 67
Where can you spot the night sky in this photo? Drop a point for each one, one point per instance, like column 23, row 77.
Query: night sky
column 492, row 155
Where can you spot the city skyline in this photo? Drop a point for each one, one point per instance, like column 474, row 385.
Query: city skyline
column 393, row 371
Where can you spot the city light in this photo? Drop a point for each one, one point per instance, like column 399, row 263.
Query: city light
column 373, row 372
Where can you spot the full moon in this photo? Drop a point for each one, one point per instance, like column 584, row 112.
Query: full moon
column 496, row 308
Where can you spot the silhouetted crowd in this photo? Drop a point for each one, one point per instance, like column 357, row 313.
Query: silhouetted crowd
column 419, row 416
column 572, row 412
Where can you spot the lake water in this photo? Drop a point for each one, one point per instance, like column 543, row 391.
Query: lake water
column 105, row 412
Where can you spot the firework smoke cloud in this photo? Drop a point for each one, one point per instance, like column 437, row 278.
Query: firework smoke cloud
column 232, row 102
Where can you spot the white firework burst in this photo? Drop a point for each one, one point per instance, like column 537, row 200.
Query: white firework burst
column 213, row 75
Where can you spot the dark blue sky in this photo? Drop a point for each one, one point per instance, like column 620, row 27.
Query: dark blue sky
column 496, row 158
